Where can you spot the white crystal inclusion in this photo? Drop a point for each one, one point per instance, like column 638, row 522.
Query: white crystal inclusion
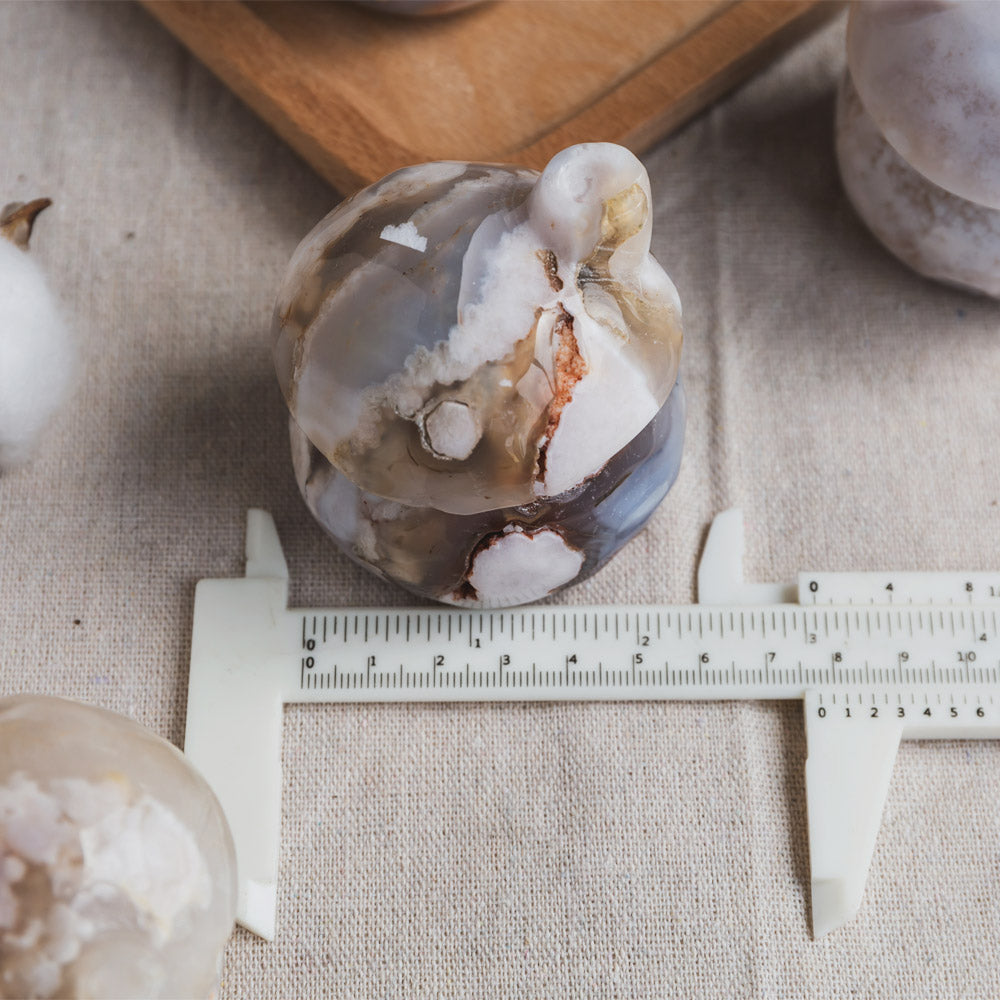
column 518, row 567
column 405, row 235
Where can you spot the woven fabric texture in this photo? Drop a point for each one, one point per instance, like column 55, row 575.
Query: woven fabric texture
column 523, row 852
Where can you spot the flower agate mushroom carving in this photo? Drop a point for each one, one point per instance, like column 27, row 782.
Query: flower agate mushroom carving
column 117, row 869
column 918, row 134
column 481, row 368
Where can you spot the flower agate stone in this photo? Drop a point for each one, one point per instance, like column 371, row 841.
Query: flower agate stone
column 117, row 869
column 481, row 368
column 918, row 134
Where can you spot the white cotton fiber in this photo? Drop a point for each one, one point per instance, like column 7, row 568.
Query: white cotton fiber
column 37, row 355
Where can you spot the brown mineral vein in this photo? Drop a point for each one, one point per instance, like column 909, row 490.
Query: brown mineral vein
column 551, row 266
column 567, row 369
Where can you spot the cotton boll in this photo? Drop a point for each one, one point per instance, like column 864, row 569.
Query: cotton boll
column 37, row 355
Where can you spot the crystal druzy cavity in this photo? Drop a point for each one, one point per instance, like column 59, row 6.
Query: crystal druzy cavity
column 117, row 869
column 481, row 367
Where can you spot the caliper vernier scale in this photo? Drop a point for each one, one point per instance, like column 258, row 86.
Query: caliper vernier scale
column 876, row 658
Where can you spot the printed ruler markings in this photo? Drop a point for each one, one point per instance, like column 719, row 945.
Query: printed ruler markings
column 711, row 672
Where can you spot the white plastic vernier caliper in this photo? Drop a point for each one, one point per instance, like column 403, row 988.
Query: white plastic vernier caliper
column 876, row 658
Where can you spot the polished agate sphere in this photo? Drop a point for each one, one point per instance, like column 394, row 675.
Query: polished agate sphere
column 117, row 868
column 481, row 368
column 918, row 134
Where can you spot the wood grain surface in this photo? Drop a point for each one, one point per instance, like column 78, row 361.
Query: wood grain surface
column 359, row 92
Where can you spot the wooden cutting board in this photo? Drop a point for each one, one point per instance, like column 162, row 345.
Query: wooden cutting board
column 360, row 92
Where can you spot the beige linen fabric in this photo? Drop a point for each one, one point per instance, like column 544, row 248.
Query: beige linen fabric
column 528, row 851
